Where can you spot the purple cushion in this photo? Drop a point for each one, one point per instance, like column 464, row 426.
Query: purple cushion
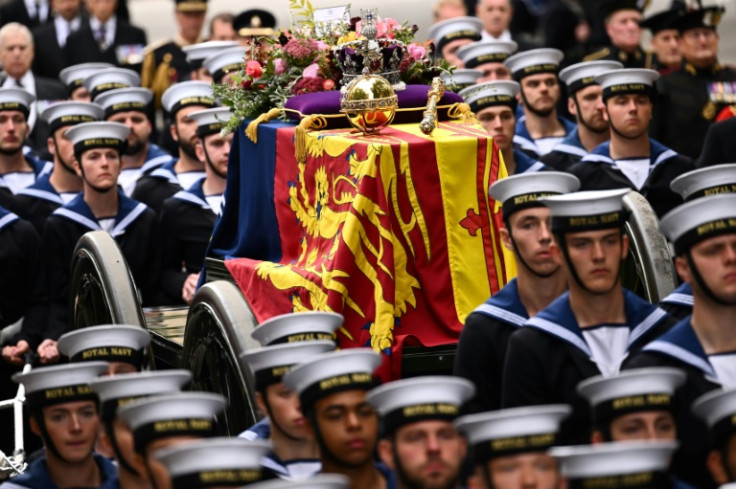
column 328, row 103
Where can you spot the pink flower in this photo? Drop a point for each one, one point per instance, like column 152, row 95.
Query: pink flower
column 311, row 71
column 416, row 51
column 279, row 66
column 323, row 46
column 253, row 69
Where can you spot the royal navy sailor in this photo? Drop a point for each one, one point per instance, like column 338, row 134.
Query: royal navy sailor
column 451, row 34
column 717, row 409
column 106, row 79
column 589, row 330
column 73, row 79
column 488, row 57
column 122, row 346
column 197, row 53
column 223, row 63
column 540, row 279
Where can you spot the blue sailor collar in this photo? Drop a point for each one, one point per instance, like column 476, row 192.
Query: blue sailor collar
column 505, row 306
column 682, row 295
column 658, row 154
column 194, row 195
column 6, row 217
column 274, row 463
column 681, row 343
column 525, row 141
column 572, row 145
column 78, row 211
column 40, row 167
column 558, row 320
column 525, row 163
column 166, row 172
column 155, row 158
column 38, row 477
column 42, row 189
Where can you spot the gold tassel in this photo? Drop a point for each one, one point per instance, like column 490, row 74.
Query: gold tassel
column 162, row 78
column 461, row 110
column 300, row 134
column 252, row 130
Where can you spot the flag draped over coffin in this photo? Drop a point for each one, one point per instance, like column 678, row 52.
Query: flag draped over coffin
column 395, row 231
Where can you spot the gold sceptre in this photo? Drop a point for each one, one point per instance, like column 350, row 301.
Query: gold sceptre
column 429, row 119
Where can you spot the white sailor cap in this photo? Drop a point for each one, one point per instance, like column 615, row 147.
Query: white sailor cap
column 512, row 431
column 124, row 100
column 214, row 462
column 106, row 343
column 718, row 409
column 627, row 81
column 581, row 75
column 420, row 398
column 71, row 113
column 331, row 372
column 186, row 94
column 90, row 135
column 449, row 30
column 59, row 383
column 483, row 52
column 73, row 76
column 700, row 219
column 298, row 326
column 534, row 62
column 13, row 98
column 105, row 79
column 210, row 121
column 461, row 78
column 617, row 465
column 631, row 391
column 269, row 364
column 120, row 390
column 490, row 94
column 587, row 211
column 319, row 481
column 519, row 192
column 225, row 61
column 703, row 182
column 197, row 53
column 178, row 414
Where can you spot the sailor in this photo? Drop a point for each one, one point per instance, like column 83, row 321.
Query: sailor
column 50, row 191
column 418, row 440
column 63, row 412
column 211, row 463
column 540, row 279
column 188, row 218
column 106, row 79
column 164, row 62
column 704, row 235
column 197, row 53
column 622, row 20
column 488, row 57
column 718, row 179
column 460, row 79
column 589, row 330
column 508, row 447
column 540, row 128
column 225, row 62
column 116, row 437
column 451, row 34
column 665, row 39
column 718, row 410
column 179, row 101
column 295, row 454
column 689, row 99
column 631, row 159
column 332, row 392
column 619, row 465
column 167, row 420
column 320, row 481
column 637, row 404
column 73, row 79
column 585, row 101
column 494, row 104
column 17, row 170
column 100, row 206
column 131, row 106
column 122, row 346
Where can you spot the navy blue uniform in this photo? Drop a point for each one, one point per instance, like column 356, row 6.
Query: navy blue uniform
column 679, row 303
column 155, row 187
column 565, row 154
column 37, row 476
column 36, row 203
column 526, row 143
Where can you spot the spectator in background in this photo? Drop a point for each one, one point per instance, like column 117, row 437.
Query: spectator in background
column 50, row 38
column 665, row 40
column 448, row 9
column 221, row 27
column 622, row 18
column 29, row 13
column 496, row 17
